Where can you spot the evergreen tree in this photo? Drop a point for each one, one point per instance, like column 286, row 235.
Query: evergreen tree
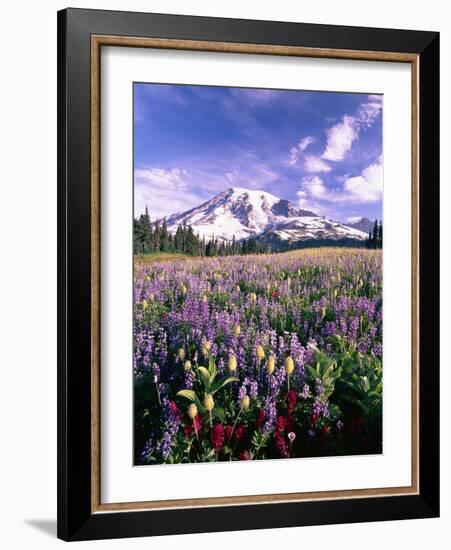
column 164, row 237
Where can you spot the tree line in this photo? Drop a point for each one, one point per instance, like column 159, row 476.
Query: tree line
column 154, row 237
column 374, row 239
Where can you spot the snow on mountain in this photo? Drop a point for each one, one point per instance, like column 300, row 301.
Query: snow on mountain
column 244, row 213
column 363, row 224
column 305, row 228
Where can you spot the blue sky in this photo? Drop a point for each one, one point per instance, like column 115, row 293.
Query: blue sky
column 321, row 150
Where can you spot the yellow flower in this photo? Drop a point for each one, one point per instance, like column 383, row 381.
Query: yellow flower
column 245, row 402
column 187, row 365
column 253, row 297
column 335, row 292
column 207, row 345
column 151, row 297
column 204, row 298
column 192, row 411
column 260, row 352
column 289, row 365
column 323, row 312
column 232, row 363
column 145, row 305
column 237, row 330
column 183, row 289
column 238, row 289
column 270, row 365
column 147, row 278
column 209, row 402
column 181, row 354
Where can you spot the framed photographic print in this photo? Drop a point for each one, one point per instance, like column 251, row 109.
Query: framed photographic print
column 248, row 274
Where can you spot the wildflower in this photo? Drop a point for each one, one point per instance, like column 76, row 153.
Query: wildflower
column 187, row 365
column 289, row 365
column 270, row 365
column 291, row 399
column 151, row 296
column 217, row 437
column 260, row 419
column 323, row 312
column 237, row 330
column 228, row 430
column 147, row 278
column 181, row 354
column 232, row 363
column 260, row 352
column 206, row 347
column 204, row 298
column 192, row 411
column 245, row 402
column 184, row 289
column 145, row 305
column 209, row 402
column 253, row 297
column 240, row 432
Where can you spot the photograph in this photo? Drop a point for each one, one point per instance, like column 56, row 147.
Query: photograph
column 257, row 241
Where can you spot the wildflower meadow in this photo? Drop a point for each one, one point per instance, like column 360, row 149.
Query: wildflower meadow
column 261, row 356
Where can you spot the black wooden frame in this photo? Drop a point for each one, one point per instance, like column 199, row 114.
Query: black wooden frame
column 75, row 520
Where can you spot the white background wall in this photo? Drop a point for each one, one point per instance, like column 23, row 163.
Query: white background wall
column 28, row 270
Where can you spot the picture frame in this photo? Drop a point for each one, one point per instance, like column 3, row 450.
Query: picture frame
column 81, row 36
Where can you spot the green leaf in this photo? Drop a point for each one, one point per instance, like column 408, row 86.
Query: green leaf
column 219, row 413
column 205, row 376
column 211, row 368
column 191, row 396
column 223, row 382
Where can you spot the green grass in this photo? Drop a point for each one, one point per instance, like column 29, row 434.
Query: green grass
column 157, row 257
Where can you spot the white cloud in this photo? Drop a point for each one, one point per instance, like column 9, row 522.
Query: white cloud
column 368, row 112
column 368, row 186
column 312, row 163
column 163, row 191
column 312, row 187
column 299, row 148
column 340, row 138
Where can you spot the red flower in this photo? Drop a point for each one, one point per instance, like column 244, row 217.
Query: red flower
column 228, row 432
column 275, row 294
column 217, row 437
column 197, row 423
column 290, row 423
column 173, row 407
column 245, row 455
column 240, row 432
column 291, row 399
column 325, row 430
column 281, row 444
column 188, row 431
column 313, row 420
column 280, row 424
column 260, row 419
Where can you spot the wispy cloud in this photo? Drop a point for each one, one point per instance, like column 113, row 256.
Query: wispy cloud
column 296, row 151
column 162, row 191
column 341, row 136
column 312, row 163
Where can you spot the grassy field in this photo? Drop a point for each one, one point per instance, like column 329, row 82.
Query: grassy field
column 157, row 257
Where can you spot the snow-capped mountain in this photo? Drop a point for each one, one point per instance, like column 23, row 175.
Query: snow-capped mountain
column 244, row 213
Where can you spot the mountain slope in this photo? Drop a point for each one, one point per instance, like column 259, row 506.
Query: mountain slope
column 238, row 212
column 243, row 213
column 364, row 224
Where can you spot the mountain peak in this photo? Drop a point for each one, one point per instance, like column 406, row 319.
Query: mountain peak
column 242, row 213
